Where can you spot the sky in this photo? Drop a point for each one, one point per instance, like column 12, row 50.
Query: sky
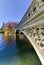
column 13, row 10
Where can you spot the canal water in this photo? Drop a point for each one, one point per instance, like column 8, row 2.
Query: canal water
column 16, row 52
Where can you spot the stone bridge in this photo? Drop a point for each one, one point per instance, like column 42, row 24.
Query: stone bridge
column 32, row 25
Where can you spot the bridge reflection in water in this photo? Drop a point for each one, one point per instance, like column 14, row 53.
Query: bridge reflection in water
column 16, row 52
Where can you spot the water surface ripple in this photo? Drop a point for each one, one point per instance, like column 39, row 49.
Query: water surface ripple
column 17, row 53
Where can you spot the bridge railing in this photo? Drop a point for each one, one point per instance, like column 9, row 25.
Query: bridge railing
column 35, row 8
column 38, row 35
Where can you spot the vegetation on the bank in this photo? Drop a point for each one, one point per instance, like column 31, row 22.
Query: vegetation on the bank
column 9, row 28
column 1, row 31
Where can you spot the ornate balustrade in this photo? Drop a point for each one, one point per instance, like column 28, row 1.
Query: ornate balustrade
column 38, row 35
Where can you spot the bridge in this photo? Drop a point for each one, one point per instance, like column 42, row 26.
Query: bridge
column 32, row 25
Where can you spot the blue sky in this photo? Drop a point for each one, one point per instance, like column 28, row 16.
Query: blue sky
column 13, row 10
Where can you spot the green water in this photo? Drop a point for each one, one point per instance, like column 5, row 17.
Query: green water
column 17, row 52
column 27, row 55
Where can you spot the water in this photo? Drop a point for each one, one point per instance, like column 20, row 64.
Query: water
column 16, row 53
